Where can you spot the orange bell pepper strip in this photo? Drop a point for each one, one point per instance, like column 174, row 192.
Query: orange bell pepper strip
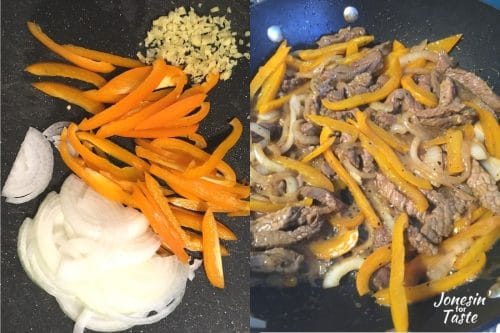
column 265, row 71
column 379, row 258
column 104, row 56
column 158, row 94
column 194, row 242
column 210, row 82
column 392, row 140
column 351, row 48
column 463, row 222
column 70, row 95
column 420, row 94
column 485, row 225
column 173, row 112
column 311, row 54
column 432, row 288
column 130, row 101
column 483, row 244
column 275, row 104
column 218, row 154
column 271, row 86
column 198, row 139
column 397, row 45
column 445, row 44
column 158, row 159
column 91, row 65
column 334, row 125
column 191, row 220
column 340, row 222
column 490, row 127
column 311, row 65
column 268, row 207
column 188, row 204
column 454, row 151
column 399, row 304
column 65, row 70
column 159, row 225
column 128, row 123
column 311, row 175
column 181, row 159
column 212, row 260
column 336, row 246
column 158, row 133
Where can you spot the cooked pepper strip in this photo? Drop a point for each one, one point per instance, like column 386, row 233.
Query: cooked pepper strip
column 483, row 244
column 464, row 222
column 191, row 220
column 219, row 152
column 103, row 56
column 279, row 102
column 130, row 101
column 310, row 65
column 485, row 225
column 351, row 48
column 336, row 246
column 445, row 44
column 158, row 133
column 263, row 73
column 490, row 127
column 421, row 95
column 432, row 288
column 91, row 65
column 268, row 207
column 311, row 175
column 389, row 138
column 454, row 151
column 271, row 86
column 70, row 95
column 318, row 150
column 311, row 54
column 437, row 141
column 399, row 305
column 334, row 125
column 345, row 222
column 212, row 260
column 65, row 70
column 379, row 258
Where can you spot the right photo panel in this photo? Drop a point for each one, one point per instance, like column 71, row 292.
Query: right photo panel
column 374, row 166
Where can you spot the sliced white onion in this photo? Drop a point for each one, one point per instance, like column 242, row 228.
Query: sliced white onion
column 424, row 54
column 261, row 131
column 287, row 138
column 478, row 132
column 492, row 165
column 53, row 132
column 478, row 151
column 341, row 268
column 433, row 157
column 261, row 157
column 32, row 170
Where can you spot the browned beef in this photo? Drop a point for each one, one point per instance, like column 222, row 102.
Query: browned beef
column 277, row 260
column 325, row 168
column 325, row 197
column 475, row 85
column 381, row 80
column 381, row 237
column 444, row 62
column 396, row 199
column 368, row 164
column 435, row 82
column 401, row 100
column 358, row 85
column 291, row 82
column 484, row 188
column 380, row 279
column 381, row 118
column 343, row 35
column 447, row 91
column 424, row 81
column 419, row 242
column 466, row 117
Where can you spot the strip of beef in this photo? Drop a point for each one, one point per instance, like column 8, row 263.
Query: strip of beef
column 287, row 226
column 381, row 237
column 325, row 197
column 277, row 260
column 444, row 62
column 358, row 85
column 381, row 80
column 424, row 81
column 435, row 83
column 381, row 118
column 484, row 188
column 380, row 279
column 475, row 85
column 419, row 242
column 397, row 199
column 343, row 35
column 289, row 83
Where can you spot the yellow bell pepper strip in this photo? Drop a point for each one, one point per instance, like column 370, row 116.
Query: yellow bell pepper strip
column 483, row 244
column 65, row 70
column 340, row 222
column 421, row 95
column 351, row 48
column 318, row 150
column 89, row 64
column 191, row 220
column 293, row 62
column 104, row 56
column 310, row 65
column 130, row 101
column 192, row 119
column 454, row 151
column 336, row 246
column 158, row 133
column 194, row 242
column 334, row 125
column 397, row 45
column 271, row 86
column 173, row 112
column 265, row 71
column 463, row 222
column 279, row 102
column 212, row 260
column 393, row 71
column 312, row 54
column 432, row 288
column 219, row 152
column 268, row 207
column 311, row 175
column 70, row 95
column 210, row 82
column 390, row 155
column 353, row 57
column 379, row 258
column 159, row 224
column 445, row 44
column 468, row 131
column 399, row 305
column 486, row 224
column 98, row 182
column 128, row 123
column 389, row 138
column 417, row 63
column 490, row 127
column 437, row 141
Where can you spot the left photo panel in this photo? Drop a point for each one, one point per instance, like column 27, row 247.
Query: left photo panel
column 125, row 166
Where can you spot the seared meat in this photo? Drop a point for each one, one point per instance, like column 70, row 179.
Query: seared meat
column 397, row 199
column 435, row 83
column 325, row 197
column 467, row 116
column 289, row 83
column 358, row 85
column 401, row 100
column 343, row 35
column 368, row 165
column 424, row 81
column 381, row 118
column 381, row 80
column 484, row 188
column 446, row 91
column 380, row 279
column 381, row 237
column 277, row 260
column 418, row 241
column 444, row 62
column 287, row 226
column 325, row 168
column 475, row 85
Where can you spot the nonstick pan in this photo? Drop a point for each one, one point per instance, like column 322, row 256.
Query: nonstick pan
column 118, row 27
column 307, row 308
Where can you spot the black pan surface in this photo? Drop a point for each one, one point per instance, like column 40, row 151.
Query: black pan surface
column 119, row 27
column 307, row 308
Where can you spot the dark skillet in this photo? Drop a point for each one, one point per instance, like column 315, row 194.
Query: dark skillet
column 306, row 308
column 114, row 26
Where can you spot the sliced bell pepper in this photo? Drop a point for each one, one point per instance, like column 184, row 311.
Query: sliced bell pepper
column 210, row 82
column 163, row 161
column 399, row 304
column 263, row 73
column 293, row 62
column 490, row 127
column 271, row 86
column 389, row 138
column 279, row 102
column 482, row 244
column 195, row 243
column 336, row 246
column 268, row 207
column 437, row 141
column 198, row 139
column 318, row 150
column 191, row 220
column 65, row 70
column 310, row 65
column 353, row 57
column 212, row 260
column 421, row 95
column 311, row 175
column 103, row 56
column 485, row 225
column 91, row 65
column 463, row 222
column 311, row 54
column 158, row 133
column 158, row 94
column 334, row 125
column 379, row 258
column 69, row 94
column 454, row 151
column 351, row 48
column 340, row 222
column 192, row 205
column 445, row 44
column 397, row 45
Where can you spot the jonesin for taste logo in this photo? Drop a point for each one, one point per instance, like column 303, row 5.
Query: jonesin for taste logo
column 460, row 310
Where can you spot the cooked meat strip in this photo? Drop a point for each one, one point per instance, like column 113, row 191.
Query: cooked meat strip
column 466, row 117
column 368, row 164
column 401, row 100
column 447, row 91
column 381, row 118
column 484, row 188
column 475, row 85
column 424, row 81
column 444, row 62
column 325, row 197
column 325, row 168
column 277, row 260
column 275, row 129
column 343, row 35
column 381, row 80
column 396, row 199
column 419, row 242
column 380, row 279
column 358, row 85
column 381, row 237
column 435, row 83
column 290, row 82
